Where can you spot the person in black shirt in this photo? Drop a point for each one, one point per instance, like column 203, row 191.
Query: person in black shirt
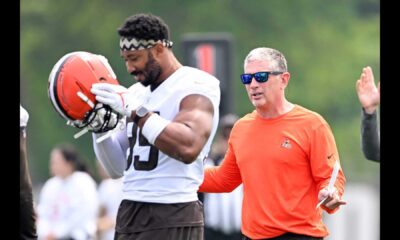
column 369, row 96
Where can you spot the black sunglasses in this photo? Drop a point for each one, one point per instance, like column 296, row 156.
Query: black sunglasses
column 258, row 76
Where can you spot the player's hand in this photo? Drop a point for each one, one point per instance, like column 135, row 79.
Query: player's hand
column 332, row 199
column 103, row 120
column 23, row 117
column 115, row 96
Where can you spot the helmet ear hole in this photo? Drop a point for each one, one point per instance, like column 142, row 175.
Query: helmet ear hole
column 70, row 82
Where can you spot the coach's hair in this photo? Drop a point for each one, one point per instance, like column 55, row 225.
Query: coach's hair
column 144, row 26
column 276, row 58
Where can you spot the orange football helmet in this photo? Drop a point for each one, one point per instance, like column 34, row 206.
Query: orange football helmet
column 69, row 87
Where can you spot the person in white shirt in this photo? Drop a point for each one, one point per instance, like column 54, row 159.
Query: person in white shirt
column 110, row 195
column 160, row 154
column 68, row 204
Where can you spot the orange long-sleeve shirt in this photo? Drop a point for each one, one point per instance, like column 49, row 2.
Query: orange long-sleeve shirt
column 283, row 163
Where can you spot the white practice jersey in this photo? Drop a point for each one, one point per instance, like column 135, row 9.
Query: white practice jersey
column 68, row 208
column 151, row 175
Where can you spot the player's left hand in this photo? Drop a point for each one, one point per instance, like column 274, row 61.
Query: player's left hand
column 115, row 96
column 332, row 200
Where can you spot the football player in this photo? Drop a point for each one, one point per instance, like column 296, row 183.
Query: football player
column 172, row 116
column 161, row 152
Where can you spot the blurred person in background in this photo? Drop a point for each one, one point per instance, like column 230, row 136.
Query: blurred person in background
column 27, row 215
column 283, row 154
column 68, row 204
column 160, row 154
column 369, row 96
column 110, row 196
column 222, row 211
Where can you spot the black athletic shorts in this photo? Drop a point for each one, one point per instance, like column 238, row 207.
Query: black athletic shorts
column 143, row 221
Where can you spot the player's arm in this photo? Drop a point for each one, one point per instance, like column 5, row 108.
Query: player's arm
column 370, row 139
column 184, row 137
column 111, row 152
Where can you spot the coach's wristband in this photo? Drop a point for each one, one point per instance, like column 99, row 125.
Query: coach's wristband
column 153, row 126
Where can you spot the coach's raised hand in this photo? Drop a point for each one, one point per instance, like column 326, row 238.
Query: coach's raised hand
column 116, row 96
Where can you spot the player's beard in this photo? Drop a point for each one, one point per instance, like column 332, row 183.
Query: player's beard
column 151, row 72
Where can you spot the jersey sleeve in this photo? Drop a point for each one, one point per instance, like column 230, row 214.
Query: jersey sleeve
column 370, row 139
column 208, row 87
column 323, row 156
column 223, row 178
column 112, row 152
